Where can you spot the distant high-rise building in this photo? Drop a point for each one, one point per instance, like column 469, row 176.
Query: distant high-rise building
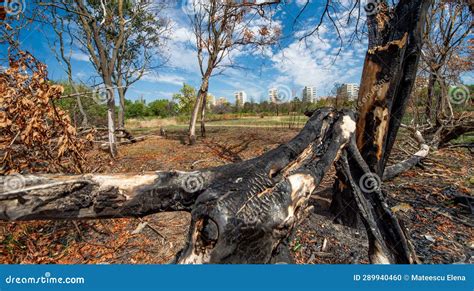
column 348, row 91
column 273, row 95
column 211, row 100
column 240, row 98
column 221, row 101
column 309, row 94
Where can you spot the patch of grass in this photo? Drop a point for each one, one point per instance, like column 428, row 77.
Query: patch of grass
column 143, row 126
column 466, row 138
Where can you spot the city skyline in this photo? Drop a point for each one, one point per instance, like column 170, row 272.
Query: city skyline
column 273, row 95
column 308, row 94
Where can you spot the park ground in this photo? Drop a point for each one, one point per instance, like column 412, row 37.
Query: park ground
column 423, row 198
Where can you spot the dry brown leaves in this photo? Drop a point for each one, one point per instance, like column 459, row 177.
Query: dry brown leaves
column 93, row 241
column 35, row 135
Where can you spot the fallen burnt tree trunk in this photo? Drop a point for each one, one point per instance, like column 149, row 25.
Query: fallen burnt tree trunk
column 240, row 212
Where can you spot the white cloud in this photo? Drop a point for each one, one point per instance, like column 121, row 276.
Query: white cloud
column 320, row 60
column 164, row 78
column 79, row 56
column 181, row 49
column 301, row 3
column 81, row 75
column 182, row 34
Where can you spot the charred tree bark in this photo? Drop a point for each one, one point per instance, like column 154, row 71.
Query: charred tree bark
column 388, row 242
column 241, row 213
column 395, row 40
column 246, row 222
column 83, row 196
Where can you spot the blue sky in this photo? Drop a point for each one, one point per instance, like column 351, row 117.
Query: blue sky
column 319, row 61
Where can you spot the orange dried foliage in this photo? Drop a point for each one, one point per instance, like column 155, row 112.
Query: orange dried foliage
column 35, row 135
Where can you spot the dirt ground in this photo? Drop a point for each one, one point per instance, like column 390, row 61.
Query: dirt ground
column 423, row 198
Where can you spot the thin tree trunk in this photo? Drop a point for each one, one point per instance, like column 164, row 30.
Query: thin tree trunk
column 121, row 114
column 430, row 96
column 192, row 122
column 443, row 107
column 197, row 106
column 85, row 121
column 203, row 115
column 111, row 116
column 67, row 61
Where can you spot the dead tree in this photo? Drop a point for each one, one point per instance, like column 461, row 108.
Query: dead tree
column 101, row 29
column 395, row 41
column 448, row 27
column 220, row 28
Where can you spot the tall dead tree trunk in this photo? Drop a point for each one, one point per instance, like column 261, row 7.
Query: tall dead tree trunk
column 395, row 41
column 240, row 212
